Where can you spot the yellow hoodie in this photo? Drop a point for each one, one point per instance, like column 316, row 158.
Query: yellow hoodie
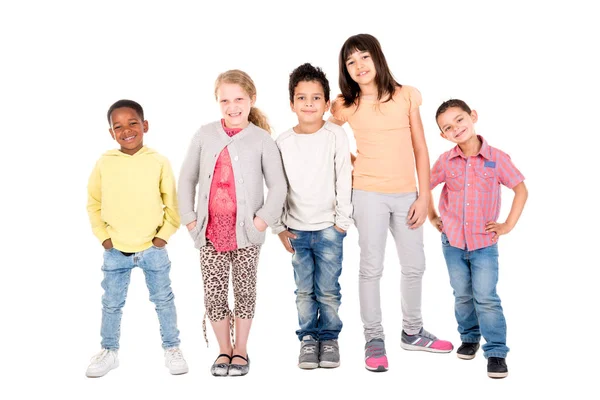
column 132, row 199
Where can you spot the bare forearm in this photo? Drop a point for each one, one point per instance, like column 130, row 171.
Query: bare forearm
column 518, row 204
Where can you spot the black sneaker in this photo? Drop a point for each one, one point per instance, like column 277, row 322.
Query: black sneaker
column 497, row 367
column 467, row 351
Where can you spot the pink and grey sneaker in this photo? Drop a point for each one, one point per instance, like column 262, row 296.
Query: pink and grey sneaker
column 375, row 358
column 425, row 341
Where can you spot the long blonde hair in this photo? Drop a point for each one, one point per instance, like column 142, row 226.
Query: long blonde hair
column 242, row 79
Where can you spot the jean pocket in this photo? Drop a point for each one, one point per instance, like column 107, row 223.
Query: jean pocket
column 445, row 241
column 342, row 234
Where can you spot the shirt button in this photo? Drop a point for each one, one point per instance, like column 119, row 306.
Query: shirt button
column 468, row 184
column 469, row 165
column 206, row 197
column 235, row 158
column 241, row 181
column 468, row 204
column 215, row 155
column 241, row 223
column 209, row 176
column 466, row 223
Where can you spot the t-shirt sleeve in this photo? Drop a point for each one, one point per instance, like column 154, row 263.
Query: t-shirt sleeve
column 338, row 109
column 507, row 173
column 414, row 98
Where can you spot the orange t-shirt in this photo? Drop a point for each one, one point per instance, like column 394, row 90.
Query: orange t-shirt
column 385, row 161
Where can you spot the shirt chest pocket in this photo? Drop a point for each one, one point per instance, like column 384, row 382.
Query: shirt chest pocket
column 485, row 179
column 455, row 180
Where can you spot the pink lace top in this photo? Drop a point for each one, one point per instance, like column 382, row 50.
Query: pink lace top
column 222, row 208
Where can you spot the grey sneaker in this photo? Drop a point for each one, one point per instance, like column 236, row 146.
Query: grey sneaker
column 329, row 354
column 309, row 353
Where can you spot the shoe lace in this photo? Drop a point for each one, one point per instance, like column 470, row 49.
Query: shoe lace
column 175, row 354
column 309, row 349
column 100, row 357
column 375, row 351
column 327, row 348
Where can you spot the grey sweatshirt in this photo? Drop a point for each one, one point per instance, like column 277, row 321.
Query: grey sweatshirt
column 254, row 155
column 319, row 174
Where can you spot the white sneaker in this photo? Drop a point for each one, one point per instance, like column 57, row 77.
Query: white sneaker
column 175, row 362
column 101, row 363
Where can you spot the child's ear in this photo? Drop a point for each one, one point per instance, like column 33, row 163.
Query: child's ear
column 327, row 105
column 292, row 106
column 112, row 135
column 442, row 135
column 252, row 100
column 145, row 124
column 474, row 115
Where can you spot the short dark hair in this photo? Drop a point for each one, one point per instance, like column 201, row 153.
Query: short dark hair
column 126, row 103
column 308, row 73
column 452, row 103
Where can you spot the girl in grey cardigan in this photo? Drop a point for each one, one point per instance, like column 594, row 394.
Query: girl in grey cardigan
column 225, row 166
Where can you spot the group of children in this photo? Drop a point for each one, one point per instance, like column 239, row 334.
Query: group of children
column 316, row 190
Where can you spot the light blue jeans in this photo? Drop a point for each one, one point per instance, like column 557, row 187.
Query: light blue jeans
column 473, row 276
column 117, row 268
column 317, row 263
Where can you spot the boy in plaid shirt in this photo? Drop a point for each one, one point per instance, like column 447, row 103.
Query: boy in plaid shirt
column 469, row 207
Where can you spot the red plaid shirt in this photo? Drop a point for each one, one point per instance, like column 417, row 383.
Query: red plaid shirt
column 471, row 195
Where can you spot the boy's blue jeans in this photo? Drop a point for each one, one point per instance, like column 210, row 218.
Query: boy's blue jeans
column 473, row 276
column 117, row 268
column 317, row 265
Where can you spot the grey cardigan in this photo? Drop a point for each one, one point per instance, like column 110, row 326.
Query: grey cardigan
column 254, row 154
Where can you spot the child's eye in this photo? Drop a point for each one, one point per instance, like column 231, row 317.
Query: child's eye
column 223, row 101
column 133, row 123
column 317, row 98
column 366, row 56
column 300, row 97
column 349, row 63
column 460, row 119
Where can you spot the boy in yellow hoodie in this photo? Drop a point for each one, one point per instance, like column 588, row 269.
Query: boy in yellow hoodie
column 132, row 205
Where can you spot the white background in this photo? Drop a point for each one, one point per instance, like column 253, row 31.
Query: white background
column 529, row 68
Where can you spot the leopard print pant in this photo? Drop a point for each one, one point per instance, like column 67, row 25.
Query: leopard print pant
column 215, row 274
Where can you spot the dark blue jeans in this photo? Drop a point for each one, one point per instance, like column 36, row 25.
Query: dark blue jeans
column 317, row 265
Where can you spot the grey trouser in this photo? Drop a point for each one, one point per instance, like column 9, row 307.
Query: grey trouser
column 374, row 214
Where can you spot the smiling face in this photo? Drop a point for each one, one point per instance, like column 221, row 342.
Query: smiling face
column 128, row 129
column 309, row 102
column 235, row 105
column 361, row 68
column 457, row 125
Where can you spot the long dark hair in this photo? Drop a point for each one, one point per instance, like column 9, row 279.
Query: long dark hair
column 386, row 84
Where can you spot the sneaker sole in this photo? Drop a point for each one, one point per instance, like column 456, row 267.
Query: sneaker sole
column 497, row 375
column 329, row 364
column 308, row 365
column 179, row 371
column 380, row 368
column 411, row 347
column 465, row 356
column 98, row 375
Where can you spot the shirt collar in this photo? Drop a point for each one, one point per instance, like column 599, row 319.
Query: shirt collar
column 484, row 151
